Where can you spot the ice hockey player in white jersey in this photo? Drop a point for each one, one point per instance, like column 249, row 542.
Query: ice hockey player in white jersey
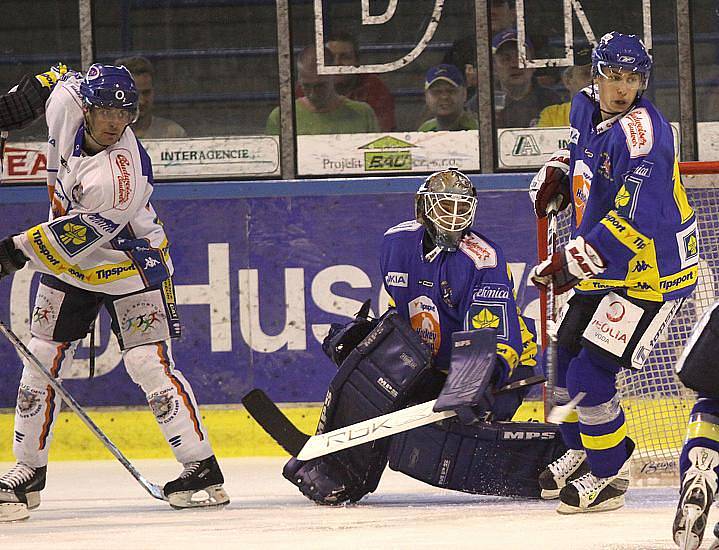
column 698, row 369
column 103, row 246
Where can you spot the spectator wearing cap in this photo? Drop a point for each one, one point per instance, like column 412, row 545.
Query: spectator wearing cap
column 445, row 93
column 359, row 87
column 148, row 125
column 518, row 99
column 574, row 78
column 323, row 110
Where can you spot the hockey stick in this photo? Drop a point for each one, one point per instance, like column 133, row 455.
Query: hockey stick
column 152, row 488
column 306, row 447
column 550, row 357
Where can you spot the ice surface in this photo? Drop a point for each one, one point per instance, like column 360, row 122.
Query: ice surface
column 97, row 505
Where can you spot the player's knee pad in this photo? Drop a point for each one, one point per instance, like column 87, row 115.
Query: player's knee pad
column 698, row 367
column 54, row 356
column 149, row 366
column 594, row 375
column 497, row 458
column 376, row 378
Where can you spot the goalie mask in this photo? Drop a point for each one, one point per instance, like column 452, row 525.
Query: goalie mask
column 445, row 205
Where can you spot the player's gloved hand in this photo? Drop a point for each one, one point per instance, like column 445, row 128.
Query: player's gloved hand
column 551, row 181
column 11, row 259
column 49, row 78
column 578, row 260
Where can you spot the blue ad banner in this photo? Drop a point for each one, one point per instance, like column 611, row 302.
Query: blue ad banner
column 259, row 279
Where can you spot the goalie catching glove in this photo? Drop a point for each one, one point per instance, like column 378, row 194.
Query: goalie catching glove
column 551, row 181
column 577, row 261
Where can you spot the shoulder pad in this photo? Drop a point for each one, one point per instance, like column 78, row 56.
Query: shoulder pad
column 409, row 225
column 639, row 132
column 479, row 251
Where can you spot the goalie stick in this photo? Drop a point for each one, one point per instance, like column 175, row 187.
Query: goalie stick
column 306, row 447
column 152, row 488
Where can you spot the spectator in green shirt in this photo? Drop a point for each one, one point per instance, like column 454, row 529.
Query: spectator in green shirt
column 323, row 110
column 445, row 93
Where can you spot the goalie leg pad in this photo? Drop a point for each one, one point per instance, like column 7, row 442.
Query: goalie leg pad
column 377, row 377
column 698, row 367
column 497, row 458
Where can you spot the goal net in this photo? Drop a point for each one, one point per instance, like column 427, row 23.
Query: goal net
column 656, row 403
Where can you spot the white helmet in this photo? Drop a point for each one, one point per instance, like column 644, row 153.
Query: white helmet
column 445, row 204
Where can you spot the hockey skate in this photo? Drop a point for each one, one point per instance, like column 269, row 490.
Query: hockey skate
column 590, row 493
column 567, row 467
column 20, row 491
column 698, row 488
column 199, row 484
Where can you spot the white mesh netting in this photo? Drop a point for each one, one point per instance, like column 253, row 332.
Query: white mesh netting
column 656, row 403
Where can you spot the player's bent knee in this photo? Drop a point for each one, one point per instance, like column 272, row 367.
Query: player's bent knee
column 147, row 367
column 594, row 375
column 54, row 356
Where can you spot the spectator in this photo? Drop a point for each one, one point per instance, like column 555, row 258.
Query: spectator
column 463, row 53
column 359, row 87
column 445, row 93
column 518, row 99
column 148, row 125
column 323, row 110
column 574, row 78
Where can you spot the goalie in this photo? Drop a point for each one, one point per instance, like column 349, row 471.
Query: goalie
column 453, row 332
column 632, row 261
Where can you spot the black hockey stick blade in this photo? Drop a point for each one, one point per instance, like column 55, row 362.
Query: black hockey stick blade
column 274, row 422
column 523, row 383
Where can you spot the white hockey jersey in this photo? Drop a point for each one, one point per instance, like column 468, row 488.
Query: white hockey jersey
column 103, row 234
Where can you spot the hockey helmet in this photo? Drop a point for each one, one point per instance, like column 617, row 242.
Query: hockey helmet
column 445, row 204
column 109, row 86
column 622, row 51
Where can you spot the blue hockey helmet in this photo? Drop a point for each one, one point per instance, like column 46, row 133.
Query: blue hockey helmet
column 445, row 204
column 110, row 87
column 621, row 51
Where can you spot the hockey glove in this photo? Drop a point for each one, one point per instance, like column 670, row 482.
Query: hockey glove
column 472, row 371
column 11, row 259
column 551, row 181
column 49, row 78
column 577, row 261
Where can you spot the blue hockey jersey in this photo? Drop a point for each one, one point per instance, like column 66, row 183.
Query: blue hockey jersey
column 463, row 290
column 629, row 202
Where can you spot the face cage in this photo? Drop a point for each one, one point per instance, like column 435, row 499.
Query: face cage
column 450, row 214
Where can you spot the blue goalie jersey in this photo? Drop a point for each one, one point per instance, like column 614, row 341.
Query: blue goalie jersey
column 463, row 290
column 629, row 202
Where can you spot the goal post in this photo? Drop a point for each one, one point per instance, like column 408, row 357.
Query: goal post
column 655, row 402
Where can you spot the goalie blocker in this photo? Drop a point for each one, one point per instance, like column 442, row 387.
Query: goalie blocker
column 387, row 370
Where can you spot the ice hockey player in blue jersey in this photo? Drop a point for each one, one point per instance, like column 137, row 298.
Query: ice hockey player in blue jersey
column 453, row 332
column 631, row 262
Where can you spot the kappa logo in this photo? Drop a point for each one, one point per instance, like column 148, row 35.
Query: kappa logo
column 395, row 278
column 640, row 266
column 151, row 262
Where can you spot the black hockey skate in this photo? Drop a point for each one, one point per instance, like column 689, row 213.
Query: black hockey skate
column 199, row 484
column 567, row 467
column 20, row 491
column 590, row 493
column 698, row 489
